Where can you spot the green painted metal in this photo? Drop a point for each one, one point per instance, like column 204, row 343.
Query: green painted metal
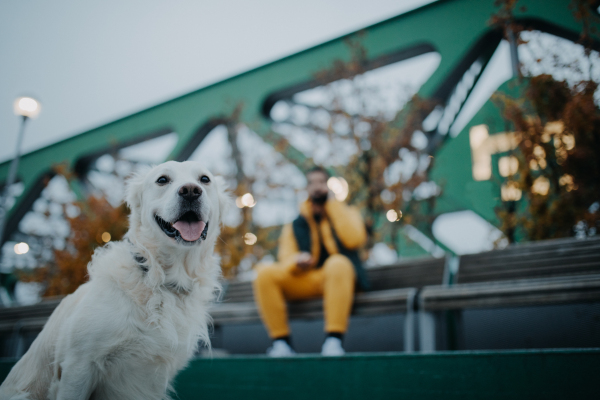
column 407, row 248
column 546, row 374
column 460, row 190
column 454, row 28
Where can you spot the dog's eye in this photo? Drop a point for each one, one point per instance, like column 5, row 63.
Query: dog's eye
column 205, row 179
column 163, row 180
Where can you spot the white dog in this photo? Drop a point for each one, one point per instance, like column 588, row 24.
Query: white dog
column 126, row 333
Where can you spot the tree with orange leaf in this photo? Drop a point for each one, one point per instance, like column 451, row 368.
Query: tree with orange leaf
column 97, row 224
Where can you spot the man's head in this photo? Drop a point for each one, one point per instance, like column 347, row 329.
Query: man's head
column 317, row 185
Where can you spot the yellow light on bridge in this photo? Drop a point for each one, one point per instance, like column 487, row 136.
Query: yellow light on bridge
column 508, row 166
column 541, row 186
column 511, row 192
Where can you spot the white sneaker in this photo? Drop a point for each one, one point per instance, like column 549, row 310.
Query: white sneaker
column 280, row 348
column 332, row 347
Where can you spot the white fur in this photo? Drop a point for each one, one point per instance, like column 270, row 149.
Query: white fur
column 126, row 333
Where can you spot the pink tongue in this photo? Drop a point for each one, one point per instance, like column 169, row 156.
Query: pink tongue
column 190, row 231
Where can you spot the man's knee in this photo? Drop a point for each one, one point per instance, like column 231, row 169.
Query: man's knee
column 266, row 273
column 338, row 265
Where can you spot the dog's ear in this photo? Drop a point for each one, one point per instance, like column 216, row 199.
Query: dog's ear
column 134, row 185
column 224, row 196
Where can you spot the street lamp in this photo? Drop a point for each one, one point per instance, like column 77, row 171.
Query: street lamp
column 26, row 107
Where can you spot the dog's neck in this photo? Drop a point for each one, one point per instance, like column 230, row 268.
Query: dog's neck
column 176, row 274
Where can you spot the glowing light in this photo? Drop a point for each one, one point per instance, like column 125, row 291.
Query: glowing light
column 533, row 165
column 561, row 151
column 27, row 107
column 546, row 137
column 542, row 163
column 478, row 135
column 482, row 169
column 552, row 129
column 250, row 238
column 511, row 192
column 539, row 151
column 106, row 237
column 567, row 181
column 540, row 154
column 569, row 141
column 393, row 215
column 247, row 200
column 238, row 202
column 339, row 187
column 21, row 248
column 541, row 186
column 483, row 145
column 508, row 165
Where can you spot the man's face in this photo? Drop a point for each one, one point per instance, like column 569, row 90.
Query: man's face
column 317, row 186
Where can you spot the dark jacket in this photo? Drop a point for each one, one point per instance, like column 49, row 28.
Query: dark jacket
column 341, row 231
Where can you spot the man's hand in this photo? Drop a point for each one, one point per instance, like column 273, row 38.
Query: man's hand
column 304, row 261
column 318, row 209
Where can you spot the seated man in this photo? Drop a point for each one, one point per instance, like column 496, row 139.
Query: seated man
column 317, row 258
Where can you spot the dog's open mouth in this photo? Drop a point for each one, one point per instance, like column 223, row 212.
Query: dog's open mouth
column 189, row 227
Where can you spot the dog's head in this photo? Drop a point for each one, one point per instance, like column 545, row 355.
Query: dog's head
column 180, row 203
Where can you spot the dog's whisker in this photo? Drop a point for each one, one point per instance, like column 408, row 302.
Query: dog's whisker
column 227, row 244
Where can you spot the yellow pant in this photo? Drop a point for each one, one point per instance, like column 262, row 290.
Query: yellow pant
column 334, row 281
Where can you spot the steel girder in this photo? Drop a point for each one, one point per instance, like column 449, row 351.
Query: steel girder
column 457, row 29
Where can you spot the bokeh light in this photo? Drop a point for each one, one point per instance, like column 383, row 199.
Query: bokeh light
column 250, row 238
column 393, row 215
column 106, row 237
column 246, row 200
column 21, row 248
column 27, row 107
column 339, row 187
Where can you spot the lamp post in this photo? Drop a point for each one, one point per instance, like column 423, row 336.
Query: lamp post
column 25, row 107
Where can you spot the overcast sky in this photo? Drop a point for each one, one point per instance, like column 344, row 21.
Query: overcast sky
column 93, row 62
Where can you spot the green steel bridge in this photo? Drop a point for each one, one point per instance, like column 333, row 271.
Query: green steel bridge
column 458, row 30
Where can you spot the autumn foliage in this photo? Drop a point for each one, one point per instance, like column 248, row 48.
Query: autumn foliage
column 557, row 127
column 558, row 130
column 97, row 223
column 381, row 140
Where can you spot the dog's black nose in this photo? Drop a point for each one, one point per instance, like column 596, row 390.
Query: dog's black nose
column 190, row 192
